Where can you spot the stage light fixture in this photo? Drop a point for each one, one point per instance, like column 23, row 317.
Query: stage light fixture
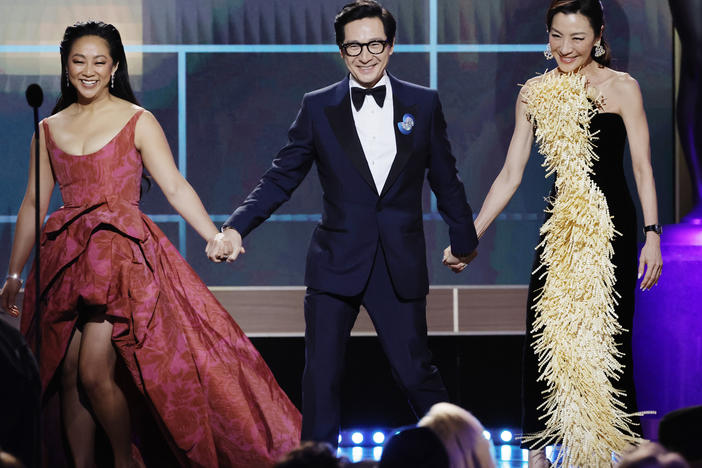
column 377, row 453
column 506, row 436
column 487, row 435
column 357, row 438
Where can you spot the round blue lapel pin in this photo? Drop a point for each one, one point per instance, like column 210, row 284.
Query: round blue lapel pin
column 406, row 125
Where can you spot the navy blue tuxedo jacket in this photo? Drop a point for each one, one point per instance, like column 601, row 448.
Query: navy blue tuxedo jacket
column 355, row 217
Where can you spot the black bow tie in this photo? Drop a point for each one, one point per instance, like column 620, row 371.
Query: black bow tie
column 358, row 95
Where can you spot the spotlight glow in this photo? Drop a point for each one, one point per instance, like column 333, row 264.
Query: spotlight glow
column 506, row 436
column 339, row 438
column 377, row 453
column 357, row 438
column 487, row 435
column 378, row 437
column 506, row 452
column 356, row 454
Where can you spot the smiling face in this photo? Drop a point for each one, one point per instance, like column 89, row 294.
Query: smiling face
column 90, row 67
column 571, row 39
column 366, row 68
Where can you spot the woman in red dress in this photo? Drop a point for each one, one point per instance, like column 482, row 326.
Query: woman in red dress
column 116, row 294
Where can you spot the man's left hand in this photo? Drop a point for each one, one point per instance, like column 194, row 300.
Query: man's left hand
column 457, row 264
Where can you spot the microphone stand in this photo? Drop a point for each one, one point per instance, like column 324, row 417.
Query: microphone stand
column 35, row 96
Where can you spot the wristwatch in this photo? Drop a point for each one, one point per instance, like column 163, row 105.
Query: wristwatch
column 653, row 227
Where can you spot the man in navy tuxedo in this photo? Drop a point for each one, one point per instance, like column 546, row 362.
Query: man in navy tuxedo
column 372, row 137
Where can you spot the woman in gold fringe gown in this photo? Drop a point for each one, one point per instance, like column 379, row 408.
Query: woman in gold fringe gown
column 578, row 373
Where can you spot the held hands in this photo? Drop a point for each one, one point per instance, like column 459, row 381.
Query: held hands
column 8, row 295
column 225, row 246
column 457, row 264
column 650, row 261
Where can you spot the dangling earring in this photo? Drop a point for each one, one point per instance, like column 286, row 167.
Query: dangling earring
column 68, row 82
column 547, row 52
column 112, row 81
column 599, row 50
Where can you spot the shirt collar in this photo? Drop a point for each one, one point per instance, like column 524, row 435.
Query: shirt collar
column 382, row 81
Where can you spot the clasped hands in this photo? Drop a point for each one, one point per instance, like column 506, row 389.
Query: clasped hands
column 225, row 246
column 457, row 264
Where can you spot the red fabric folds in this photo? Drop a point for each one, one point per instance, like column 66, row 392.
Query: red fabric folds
column 217, row 402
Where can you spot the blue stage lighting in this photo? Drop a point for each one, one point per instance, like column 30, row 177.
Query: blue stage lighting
column 378, row 437
column 377, row 453
column 339, row 439
column 487, row 435
column 506, row 453
column 357, row 438
column 506, row 436
column 356, row 454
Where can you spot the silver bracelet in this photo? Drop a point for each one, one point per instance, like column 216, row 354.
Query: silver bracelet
column 15, row 276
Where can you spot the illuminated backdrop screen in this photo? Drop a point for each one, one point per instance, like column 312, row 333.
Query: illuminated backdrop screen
column 225, row 79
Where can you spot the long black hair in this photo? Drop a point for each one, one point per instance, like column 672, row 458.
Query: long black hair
column 109, row 33
column 593, row 11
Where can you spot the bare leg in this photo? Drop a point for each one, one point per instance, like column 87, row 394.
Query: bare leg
column 97, row 374
column 77, row 421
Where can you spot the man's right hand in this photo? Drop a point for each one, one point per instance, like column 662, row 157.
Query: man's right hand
column 225, row 246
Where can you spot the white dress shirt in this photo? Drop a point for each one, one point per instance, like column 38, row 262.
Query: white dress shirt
column 376, row 131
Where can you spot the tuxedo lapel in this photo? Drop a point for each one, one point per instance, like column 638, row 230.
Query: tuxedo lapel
column 402, row 106
column 341, row 120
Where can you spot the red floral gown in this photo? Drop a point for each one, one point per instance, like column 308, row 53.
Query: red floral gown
column 208, row 389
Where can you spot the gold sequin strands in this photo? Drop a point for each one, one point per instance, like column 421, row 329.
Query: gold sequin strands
column 576, row 325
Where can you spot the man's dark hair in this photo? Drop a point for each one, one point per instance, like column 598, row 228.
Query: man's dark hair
column 364, row 9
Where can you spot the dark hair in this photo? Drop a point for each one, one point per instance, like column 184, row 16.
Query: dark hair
column 122, row 88
column 414, row 447
column 109, row 33
column 593, row 11
column 310, row 455
column 364, row 9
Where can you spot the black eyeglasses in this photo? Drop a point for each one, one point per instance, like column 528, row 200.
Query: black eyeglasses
column 354, row 49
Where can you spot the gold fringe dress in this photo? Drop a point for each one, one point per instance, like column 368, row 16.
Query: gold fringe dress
column 578, row 375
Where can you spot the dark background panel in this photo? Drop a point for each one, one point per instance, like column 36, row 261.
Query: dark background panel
column 159, row 94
